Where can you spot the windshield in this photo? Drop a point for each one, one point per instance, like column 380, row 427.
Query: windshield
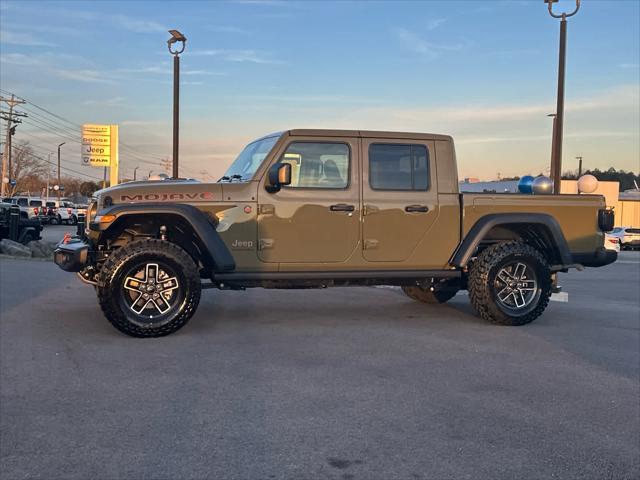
column 249, row 159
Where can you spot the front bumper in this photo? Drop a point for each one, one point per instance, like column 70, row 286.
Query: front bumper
column 72, row 256
column 599, row 258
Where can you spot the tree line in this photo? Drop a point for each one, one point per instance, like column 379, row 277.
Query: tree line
column 31, row 173
column 625, row 178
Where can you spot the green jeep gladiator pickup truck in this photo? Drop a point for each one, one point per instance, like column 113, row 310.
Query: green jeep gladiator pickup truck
column 321, row 208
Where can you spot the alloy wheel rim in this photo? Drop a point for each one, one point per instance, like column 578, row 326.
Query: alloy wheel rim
column 516, row 286
column 151, row 290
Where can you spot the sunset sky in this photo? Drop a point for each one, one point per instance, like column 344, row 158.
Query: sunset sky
column 482, row 71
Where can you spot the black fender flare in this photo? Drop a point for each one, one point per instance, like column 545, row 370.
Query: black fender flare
column 480, row 229
column 203, row 227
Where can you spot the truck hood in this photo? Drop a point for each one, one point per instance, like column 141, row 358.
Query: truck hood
column 177, row 191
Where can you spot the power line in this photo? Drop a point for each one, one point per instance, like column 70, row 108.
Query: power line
column 54, row 164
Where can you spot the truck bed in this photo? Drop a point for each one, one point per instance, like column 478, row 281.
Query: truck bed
column 576, row 214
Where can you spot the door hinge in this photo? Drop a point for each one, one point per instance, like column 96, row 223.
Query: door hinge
column 266, row 209
column 370, row 244
column 265, row 243
column 369, row 209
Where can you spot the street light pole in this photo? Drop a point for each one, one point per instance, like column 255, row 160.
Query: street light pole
column 135, row 171
column 579, row 166
column 176, row 36
column 59, row 169
column 556, row 161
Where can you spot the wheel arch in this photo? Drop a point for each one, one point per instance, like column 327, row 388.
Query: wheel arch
column 538, row 229
column 192, row 229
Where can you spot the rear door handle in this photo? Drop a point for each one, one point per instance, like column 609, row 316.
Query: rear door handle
column 416, row 209
column 342, row 207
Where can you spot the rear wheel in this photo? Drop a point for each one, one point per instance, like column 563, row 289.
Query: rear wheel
column 149, row 288
column 442, row 292
column 510, row 283
column 55, row 220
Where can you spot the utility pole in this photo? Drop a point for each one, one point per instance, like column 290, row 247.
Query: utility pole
column 176, row 36
column 48, row 174
column 12, row 102
column 579, row 166
column 556, row 161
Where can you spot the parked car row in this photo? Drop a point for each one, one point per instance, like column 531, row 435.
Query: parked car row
column 629, row 237
column 54, row 212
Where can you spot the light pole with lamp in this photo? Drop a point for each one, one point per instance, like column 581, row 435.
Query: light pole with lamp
column 176, row 36
column 556, row 148
column 59, row 169
column 135, row 171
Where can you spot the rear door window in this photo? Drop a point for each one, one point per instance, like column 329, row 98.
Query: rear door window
column 398, row 167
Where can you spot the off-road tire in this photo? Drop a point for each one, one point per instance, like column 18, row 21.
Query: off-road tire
column 111, row 286
column 482, row 282
column 27, row 238
column 425, row 295
column 55, row 220
column 72, row 220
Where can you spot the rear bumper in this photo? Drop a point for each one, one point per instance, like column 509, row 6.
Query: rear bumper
column 72, row 256
column 599, row 258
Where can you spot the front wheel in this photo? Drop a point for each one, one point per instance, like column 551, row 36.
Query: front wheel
column 510, row 283
column 149, row 288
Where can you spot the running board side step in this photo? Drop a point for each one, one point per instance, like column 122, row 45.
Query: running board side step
column 337, row 275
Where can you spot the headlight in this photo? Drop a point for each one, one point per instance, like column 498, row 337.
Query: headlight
column 92, row 209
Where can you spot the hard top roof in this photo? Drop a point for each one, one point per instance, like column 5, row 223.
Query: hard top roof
column 367, row 134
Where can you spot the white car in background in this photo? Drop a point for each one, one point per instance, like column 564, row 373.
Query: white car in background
column 61, row 211
column 30, row 205
column 629, row 237
column 611, row 242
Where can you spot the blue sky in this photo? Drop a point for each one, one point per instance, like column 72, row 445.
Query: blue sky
column 483, row 71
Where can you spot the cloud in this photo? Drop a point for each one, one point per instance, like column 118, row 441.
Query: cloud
column 110, row 102
column 229, row 29
column 19, row 59
column 23, row 39
column 628, row 65
column 265, row 3
column 251, row 56
column 136, row 25
column 415, row 43
column 83, row 75
column 435, row 23
column 166, row 70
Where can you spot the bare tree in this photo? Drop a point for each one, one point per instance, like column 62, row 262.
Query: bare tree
column 27, row 170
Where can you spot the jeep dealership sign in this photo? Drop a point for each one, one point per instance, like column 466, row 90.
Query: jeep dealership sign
column 100, row 148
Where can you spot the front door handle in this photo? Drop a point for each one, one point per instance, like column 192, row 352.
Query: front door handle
column 416, row 209
column 342, row 207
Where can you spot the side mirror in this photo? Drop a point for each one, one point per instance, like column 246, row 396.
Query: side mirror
column 279, row 175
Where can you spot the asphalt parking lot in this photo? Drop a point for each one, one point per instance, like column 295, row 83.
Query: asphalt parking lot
column 358, row 383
